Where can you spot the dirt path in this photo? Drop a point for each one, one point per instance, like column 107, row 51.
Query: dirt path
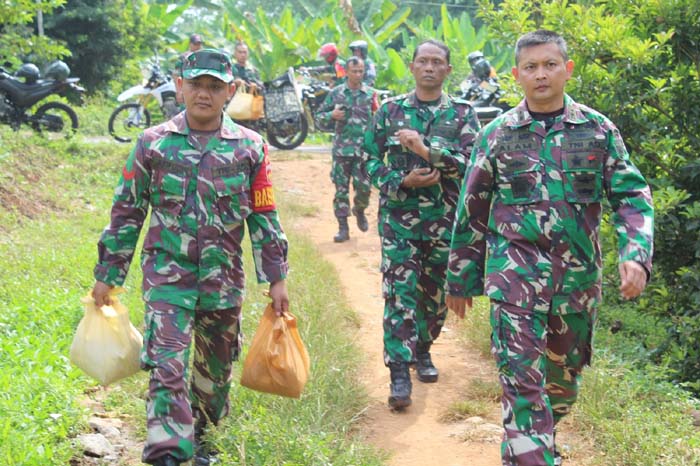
column 418, row 436
column 415, row 437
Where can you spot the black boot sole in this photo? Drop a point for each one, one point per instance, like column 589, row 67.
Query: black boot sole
column 427, row 378
column 399, row 403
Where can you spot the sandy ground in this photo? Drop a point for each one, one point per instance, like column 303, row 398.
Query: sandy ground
column 415, row 436
column 418, row 436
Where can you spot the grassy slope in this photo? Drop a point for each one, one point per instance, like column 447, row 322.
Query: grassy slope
column 45, row 264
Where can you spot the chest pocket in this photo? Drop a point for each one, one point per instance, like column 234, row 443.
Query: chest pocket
column 399, row 157
column 232, row 185
column 583, row 172
column 168, row 186
column 445, row 135
column 519, row 170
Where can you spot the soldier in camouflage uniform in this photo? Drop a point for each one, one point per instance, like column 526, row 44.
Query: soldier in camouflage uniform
column 243, row 72
column 526, row 234
column 350, row 106
column 425, row 137
column 203, row 177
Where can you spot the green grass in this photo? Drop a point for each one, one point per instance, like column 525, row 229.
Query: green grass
column 46, row 263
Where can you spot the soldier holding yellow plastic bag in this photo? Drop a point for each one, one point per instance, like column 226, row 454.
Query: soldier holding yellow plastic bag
column 203, row 177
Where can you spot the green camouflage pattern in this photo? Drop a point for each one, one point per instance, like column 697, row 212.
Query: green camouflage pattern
column 413, row 282
column 450, row 127
column 526, row 234
column 544, row 190
column 200, row 199
column 344, row 171
column 540, row 358
column 415, row 224
column 348, row 162
column 201, row 189
column 170, row 403
column 247, row 73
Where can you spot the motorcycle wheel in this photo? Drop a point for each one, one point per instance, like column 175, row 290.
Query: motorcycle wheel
column 128, row 121
column 55, row 117
column 288, row 134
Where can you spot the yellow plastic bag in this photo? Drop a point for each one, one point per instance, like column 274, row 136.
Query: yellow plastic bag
column 106, row 345
column 241, row 106
column 277, row 361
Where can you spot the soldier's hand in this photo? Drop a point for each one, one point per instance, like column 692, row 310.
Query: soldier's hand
column 458, row 305
column 633, row 279
column 421, row 177
column 413, row 141
column 100, row 292
column 338, row 114
column 280, row 299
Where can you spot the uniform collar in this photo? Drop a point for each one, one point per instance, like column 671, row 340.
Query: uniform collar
column 520, row 116
column 228, row 130
column 412, row 101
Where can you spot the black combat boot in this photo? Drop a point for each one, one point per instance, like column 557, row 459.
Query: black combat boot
column 343, row 230
column 204, row 454
column 400, row 396
column 425, row 369
column 166, row 460
column 362, row 222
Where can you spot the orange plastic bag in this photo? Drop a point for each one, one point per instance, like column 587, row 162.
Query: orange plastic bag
column 106, row 345
column 277, row 361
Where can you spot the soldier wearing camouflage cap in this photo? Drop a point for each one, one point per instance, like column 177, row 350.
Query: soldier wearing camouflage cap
column 350, row 105
column 417, row 150
column 526, row 234
column 204, row 178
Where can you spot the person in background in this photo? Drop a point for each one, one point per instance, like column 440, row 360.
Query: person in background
column 417, row 149
column 351, row 106
column 204, row 178
column 359, row 49
column 334, row 67
column 243, row 72
column 526, row 234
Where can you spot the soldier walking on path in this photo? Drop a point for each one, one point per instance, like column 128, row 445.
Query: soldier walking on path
column 526, row 234
column 203, row 177
column 418, row 147
column 350, row 106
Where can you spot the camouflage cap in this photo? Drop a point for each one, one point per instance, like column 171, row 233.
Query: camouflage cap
column 207, row 61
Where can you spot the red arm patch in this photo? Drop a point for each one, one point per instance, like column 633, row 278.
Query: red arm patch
column 263, row 197
column 375, row 103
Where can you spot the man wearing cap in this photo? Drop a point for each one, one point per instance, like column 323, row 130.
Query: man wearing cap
column 195, row 44
column 203, row 177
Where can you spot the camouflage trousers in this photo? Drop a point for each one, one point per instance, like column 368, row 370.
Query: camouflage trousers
column 344, row 170
column 413, row 282
column 540, row 357
column 169, row 404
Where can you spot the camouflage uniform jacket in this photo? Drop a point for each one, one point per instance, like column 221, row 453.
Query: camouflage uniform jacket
column 359, row 107
column 544, row 190
column 247, row 73
column 449, row 128
column 199, row 201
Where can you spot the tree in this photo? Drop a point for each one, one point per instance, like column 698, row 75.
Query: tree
column 18, row 40
column 102, row 35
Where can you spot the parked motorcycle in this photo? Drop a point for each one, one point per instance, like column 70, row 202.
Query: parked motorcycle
column 17, row 97
column 130, row 119
column 484, row 96
column 284, row 121
column 313, row 93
